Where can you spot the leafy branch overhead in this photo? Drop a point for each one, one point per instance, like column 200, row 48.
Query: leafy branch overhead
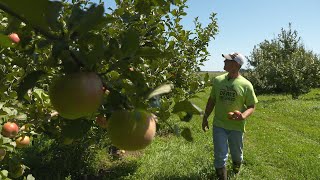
column 68, row 65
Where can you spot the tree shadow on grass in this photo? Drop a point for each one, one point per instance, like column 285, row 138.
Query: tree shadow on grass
column 206, row 173
column 119, row 171
column 272, row 100
column 316, row 98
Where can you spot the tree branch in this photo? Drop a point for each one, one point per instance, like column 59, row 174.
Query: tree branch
column 74, row 57
column 21, row 18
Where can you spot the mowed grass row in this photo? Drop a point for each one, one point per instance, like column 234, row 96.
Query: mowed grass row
column 282, row 141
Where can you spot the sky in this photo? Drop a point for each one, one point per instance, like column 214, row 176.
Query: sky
column 246, row 23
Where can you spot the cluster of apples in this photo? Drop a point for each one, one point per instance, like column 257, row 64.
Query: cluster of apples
column 80, row 94
column 11, row 130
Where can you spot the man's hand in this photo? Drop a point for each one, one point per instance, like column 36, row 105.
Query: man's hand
column 236, row 115
column 205, row 124
column 209, row 108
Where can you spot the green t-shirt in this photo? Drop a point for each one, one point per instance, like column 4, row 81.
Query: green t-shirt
column 231, row 95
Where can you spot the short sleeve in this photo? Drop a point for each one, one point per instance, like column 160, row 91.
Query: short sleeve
column 251, row 97
column 213, row 91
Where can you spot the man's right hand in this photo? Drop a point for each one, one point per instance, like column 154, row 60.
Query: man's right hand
column 205, row 124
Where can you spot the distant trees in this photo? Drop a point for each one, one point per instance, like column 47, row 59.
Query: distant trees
column 284, row 65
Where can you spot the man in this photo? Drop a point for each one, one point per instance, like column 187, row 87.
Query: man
column 234, row 100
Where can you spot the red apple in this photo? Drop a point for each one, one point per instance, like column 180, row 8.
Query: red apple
column 10, row 129
column 14, row 38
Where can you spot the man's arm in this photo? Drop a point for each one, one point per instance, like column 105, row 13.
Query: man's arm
column 246, row 113
column 209, row 107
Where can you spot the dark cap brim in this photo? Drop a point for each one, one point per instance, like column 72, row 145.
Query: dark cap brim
column 227, row 56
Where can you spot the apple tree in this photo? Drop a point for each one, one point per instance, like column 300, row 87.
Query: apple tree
column 284, row 65
column 65, row 63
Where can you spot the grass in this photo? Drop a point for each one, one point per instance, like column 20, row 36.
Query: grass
column 282, row 141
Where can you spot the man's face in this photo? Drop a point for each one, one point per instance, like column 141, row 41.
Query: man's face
column 231, row 66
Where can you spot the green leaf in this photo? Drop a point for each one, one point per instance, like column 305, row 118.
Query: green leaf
column 5, row 41
column 2, row 104
column 52, row 14
column 130, row 43
column 143, row 7
column 115, row 99
column 10, row 111
column 112, row 49
column 21, row 117
column 164, row 115
column 30, row 177
column 186, row 117
column 97, row 52
column 8, row 146
column 3, row 113
column 28, row 82
column 6, row 141
column 176, row 130
column 161, row 2
column 4, row 174
column 75, row 129
column 165, row 88
column 58, row 48
column 32, row 10
column 13, row 24
column 149, row 52
column 88, row 20
column 188, row 107
column 40, row 94
column 186, row 134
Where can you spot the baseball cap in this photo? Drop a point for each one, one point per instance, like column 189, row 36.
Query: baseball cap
column 239, row 58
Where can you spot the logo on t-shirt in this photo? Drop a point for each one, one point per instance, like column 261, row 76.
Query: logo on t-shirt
column 227, row 93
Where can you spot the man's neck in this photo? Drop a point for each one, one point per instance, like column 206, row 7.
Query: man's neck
column 233, row 75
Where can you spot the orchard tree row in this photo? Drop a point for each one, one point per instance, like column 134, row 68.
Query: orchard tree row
column 67, row 68
column 284, row 65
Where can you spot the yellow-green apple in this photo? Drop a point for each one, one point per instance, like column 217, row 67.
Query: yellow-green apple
column 76, row 95
column 131, row 130
column 22, row 141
